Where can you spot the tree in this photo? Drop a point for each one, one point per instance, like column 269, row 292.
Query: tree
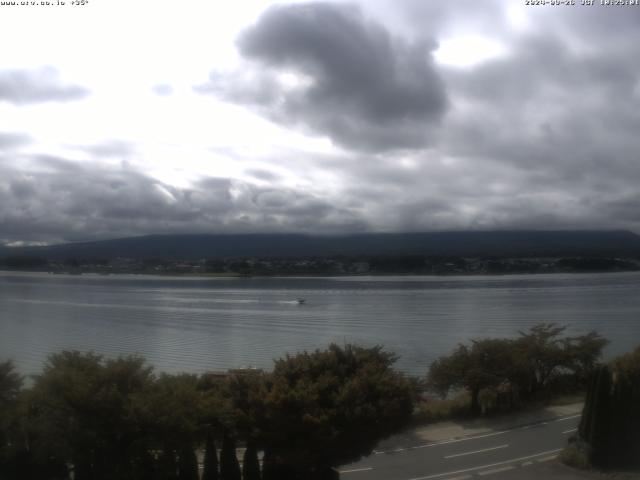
column 485, row 364
column 629, row 365
column 250, row 464
column 167, row 465
column 86, row 413
column 610, row 423
column 331, row 407
column 600, row 418
column 522, row 365
column 10, row 383
column 188, row 464
column 10, row 386
column 229, row 466
column 210, row 459
column 583, row 353
column 546, row 354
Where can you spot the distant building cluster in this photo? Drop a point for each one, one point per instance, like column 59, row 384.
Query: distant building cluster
column 336, row 265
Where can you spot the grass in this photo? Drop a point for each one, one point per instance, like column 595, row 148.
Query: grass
column 435, row 410
column 457, row 407
column 575, row 457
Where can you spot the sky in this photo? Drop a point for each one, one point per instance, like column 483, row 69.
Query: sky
column 122, row 118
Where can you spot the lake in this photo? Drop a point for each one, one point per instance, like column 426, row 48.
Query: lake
column 199, row 324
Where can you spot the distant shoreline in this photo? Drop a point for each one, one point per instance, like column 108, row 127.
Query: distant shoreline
column 227, row 275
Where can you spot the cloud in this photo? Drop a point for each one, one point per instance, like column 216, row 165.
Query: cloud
column 543, row 137
column 327, row 68
column 162, row 90
column 10, row 141
column 21, row 87
column 56, row 199
column 109, row 148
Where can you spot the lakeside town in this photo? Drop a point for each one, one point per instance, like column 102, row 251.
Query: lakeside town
column 329, row 266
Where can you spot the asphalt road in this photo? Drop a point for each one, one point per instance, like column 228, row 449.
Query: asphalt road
column 489, row 453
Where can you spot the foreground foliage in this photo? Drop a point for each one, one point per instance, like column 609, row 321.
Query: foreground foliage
column 340, row 402
column 107, row 419
column 509, row 371
column 609, row 432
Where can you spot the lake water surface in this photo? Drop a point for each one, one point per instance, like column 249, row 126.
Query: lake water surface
column 196, row 324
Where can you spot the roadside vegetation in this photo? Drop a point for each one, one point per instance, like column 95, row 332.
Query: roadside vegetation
column 608, row 437
column 502, row 374
column 88, row 417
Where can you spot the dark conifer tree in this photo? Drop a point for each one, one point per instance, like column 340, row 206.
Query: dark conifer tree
column 250, row 463
column 188, row 464
column 210, row 459
column 145, row 467
column 229, row 466
column 167, row 465
column 601, row 419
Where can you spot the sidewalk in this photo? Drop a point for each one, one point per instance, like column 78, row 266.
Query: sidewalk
column 453, row 429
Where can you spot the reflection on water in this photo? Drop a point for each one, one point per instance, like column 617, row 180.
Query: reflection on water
column 194, row 324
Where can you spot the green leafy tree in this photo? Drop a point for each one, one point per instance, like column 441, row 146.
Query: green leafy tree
column 629, row 365
column 545, row 354
column 522, row 366
column 584, row 353
column 331, row 407
column 10, row 386
column 86, row 413
column 172, row 414
column 10, row 383
column 484, row 364
column 243, row 410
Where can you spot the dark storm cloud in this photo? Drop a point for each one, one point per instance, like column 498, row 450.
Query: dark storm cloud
column 436, row 18
column 361, row 86
column 57, row 199
column 544, row 137
column 262, row 174
column 557, row 113
column 22, row 87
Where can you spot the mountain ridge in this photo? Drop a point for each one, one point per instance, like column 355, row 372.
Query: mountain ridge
column 502, row 243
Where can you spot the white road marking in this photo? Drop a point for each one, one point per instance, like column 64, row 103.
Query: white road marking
column 445, row 442
column 465, row 439
column 570, row 430
column 513, row 460
column 496, row 470
column 477, row 451
column 546, row 459
column 567, row 418
column 354, row 470
column 463, row 477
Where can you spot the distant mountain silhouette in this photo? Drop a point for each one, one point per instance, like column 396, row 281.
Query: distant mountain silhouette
column 472, row 244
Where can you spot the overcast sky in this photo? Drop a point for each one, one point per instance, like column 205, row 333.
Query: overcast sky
column 125, row 117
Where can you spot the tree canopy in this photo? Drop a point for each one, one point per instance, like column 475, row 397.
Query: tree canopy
column 106, row 419
column 332, row 406
column 524, row 365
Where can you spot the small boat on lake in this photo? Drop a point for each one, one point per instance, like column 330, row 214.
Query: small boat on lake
column 301, row 301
